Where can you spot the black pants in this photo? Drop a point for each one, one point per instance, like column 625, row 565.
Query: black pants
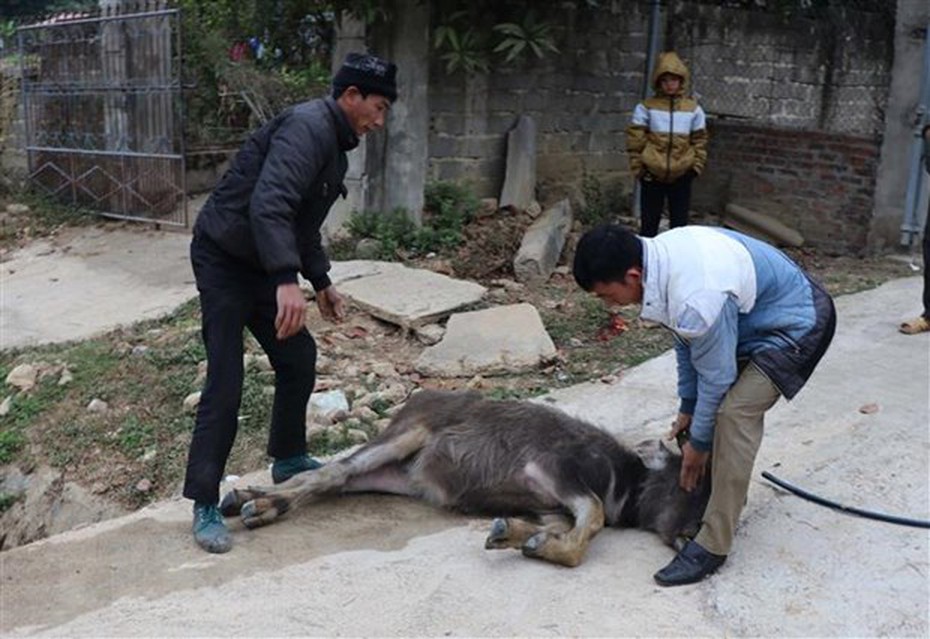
column 232, row 297
column 653, row 195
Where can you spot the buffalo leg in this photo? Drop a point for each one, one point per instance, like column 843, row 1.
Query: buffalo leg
column 264, row 505
column 568, row 548
column 512, row 532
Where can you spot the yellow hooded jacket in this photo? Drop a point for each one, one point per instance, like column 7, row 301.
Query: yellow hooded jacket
column 668, row 134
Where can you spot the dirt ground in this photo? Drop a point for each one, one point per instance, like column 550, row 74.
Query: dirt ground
column 111, row 455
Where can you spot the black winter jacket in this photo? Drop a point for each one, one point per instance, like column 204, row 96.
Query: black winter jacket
column 269, row 206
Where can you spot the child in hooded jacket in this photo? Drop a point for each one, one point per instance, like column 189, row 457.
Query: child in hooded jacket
column 667, row 145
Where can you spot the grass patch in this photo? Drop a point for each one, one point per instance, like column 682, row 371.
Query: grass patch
column 143, row 372
column 46, row 216
column 7, row 500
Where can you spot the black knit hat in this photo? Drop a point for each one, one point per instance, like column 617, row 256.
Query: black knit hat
column 369, row 73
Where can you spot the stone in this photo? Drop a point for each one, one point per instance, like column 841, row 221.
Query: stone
column 487, row 207
column 519, row 190
column 368, row 248
column 48, row 505
column 17, row 209
column 5, row 406
column 383, row 369
column 543, row 243
column 192, row 401
column 357, row 436
column 23, row 376
column 494, row 341
column 365, row 414
column 429, row 334
column 98, row 406
column 322, row 406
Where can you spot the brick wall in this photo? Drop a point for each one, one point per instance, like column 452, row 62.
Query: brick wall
column 821, row 184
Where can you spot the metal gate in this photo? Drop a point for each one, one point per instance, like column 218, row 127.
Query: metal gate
column 103, row 111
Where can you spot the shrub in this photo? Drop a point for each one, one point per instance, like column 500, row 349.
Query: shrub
column 448, row 207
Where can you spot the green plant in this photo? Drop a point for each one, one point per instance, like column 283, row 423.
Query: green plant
column 255, row 409
column 448, row 207
column 135, row 435
column 504, row 393
column 11, row 441
column 465, row 49
column 595, row 206
column 587, row 317
column 529, row 36
column 393, row 230
column 7, row 500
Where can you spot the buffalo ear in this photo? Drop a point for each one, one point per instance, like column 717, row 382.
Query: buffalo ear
column 653, row 453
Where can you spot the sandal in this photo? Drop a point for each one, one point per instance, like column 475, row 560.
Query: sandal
column 914, row 326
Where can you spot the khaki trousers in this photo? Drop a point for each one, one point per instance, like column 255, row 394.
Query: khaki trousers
column 737, row 436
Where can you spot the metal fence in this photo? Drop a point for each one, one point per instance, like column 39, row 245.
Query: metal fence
column 103, row 111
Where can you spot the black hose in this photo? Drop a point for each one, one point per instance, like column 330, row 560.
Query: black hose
column 891, row 519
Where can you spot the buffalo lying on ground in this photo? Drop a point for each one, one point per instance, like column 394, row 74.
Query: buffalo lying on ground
column 552, row 481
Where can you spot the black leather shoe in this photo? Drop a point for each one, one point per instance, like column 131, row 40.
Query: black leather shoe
column 689, row 566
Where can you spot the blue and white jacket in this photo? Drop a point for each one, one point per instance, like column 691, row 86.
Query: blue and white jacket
column 728, row 297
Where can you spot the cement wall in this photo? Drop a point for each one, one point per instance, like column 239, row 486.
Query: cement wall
column 581, row 100
column 827, row 80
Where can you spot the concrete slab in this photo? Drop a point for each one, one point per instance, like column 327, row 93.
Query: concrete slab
column 342, row 272
column 494, row 341
column 99, row 279
column 410, row 297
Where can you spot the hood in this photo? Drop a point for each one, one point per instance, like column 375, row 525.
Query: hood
column 669, row 62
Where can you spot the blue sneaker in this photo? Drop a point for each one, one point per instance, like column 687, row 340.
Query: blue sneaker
column 210, row 530
column 284, row 469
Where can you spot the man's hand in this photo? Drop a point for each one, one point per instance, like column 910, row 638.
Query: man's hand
column 679, row 427
column 331, row 304
column 291, row 307
column 693, row 465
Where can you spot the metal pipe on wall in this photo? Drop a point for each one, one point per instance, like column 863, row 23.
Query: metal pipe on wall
column 652, row 51
column 910, row 227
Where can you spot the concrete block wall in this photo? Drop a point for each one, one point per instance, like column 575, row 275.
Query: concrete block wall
column 832, row 73
column 580, row 98
column 821, row 184
column 783, row 79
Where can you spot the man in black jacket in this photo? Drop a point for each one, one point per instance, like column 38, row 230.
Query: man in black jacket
column 258, row 230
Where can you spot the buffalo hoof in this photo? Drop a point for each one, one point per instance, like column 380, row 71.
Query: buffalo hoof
column 254, row 516
column 498, row 536
column 533, row 546
column 231, row 505
column 262, row 511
